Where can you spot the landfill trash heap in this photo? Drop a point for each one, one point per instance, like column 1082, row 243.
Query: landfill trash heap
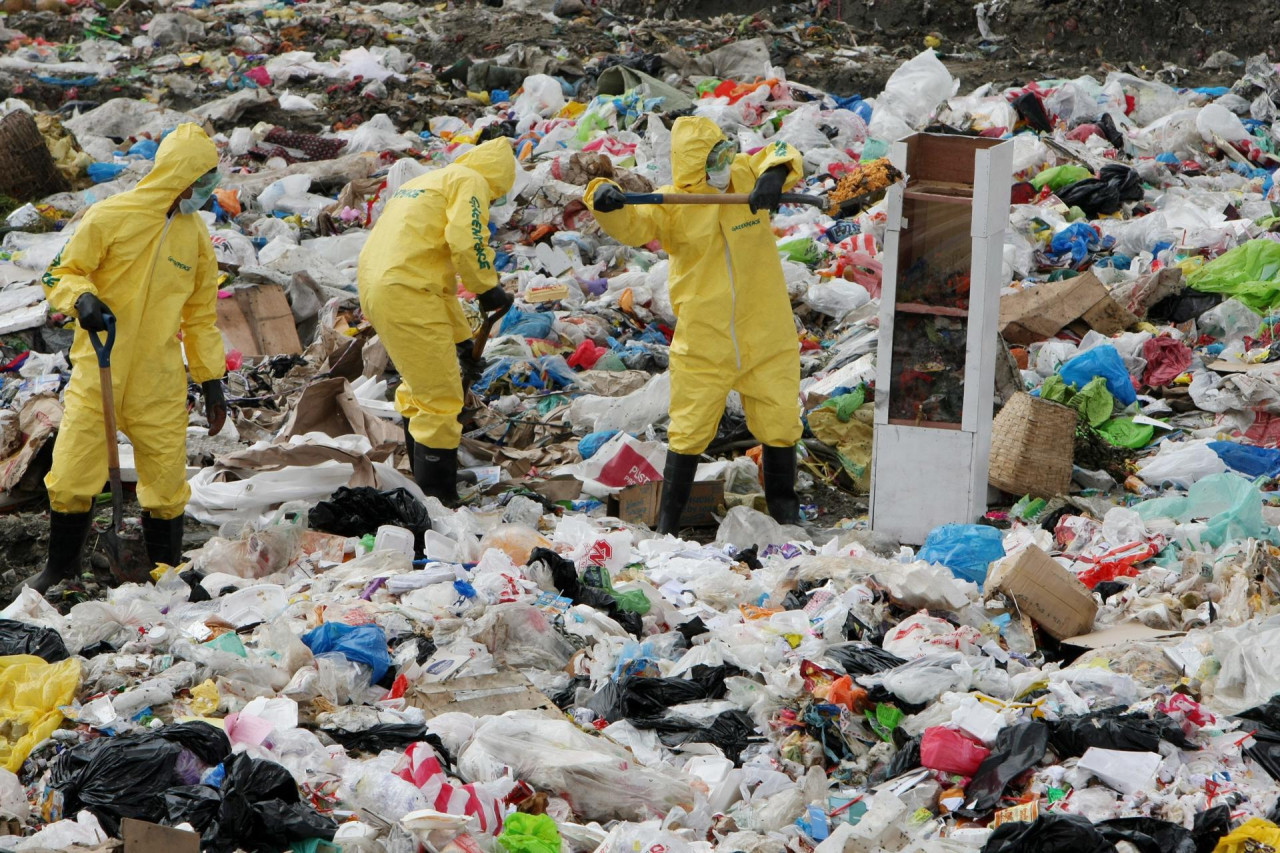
column 339, row 660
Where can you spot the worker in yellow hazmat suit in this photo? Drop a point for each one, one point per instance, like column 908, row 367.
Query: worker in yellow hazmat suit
column 734, row 327
column 434, row 230
column 143, row 257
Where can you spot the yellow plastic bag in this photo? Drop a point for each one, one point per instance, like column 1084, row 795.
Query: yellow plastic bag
column 30, row 693
column 1256, row 830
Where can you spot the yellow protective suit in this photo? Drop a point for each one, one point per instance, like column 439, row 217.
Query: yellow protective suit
column 159, row 276
column 734, row 327
column 434, row 230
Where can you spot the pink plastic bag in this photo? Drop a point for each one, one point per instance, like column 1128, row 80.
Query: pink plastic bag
column 951, row 752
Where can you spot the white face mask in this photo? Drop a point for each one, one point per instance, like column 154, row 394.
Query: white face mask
column 720, row 178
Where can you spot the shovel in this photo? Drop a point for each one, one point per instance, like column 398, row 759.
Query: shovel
column 482, row 335
column 111, row 538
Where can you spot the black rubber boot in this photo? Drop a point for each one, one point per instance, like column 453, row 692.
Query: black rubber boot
column 163, row 538
column 436, row 473
column 780, row 484
column 67, row 533
column 409, row 444
column 677, row 477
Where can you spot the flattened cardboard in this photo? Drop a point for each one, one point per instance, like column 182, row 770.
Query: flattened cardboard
column 1051, row 595
column 258, row 321
column 498, row 693
column 1130, row 632
column 1040, row 312
column 639, row 504
column 140, row 836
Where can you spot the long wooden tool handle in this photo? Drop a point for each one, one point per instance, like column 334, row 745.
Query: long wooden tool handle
column 717, row 198
column 109, row 419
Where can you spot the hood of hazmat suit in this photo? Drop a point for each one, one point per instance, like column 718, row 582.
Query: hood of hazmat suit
column 433, row 231
column 734, row 330
column 158, row 274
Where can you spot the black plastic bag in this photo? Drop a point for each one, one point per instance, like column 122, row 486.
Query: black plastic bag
column 362, row 510
column 565, row 576
column 732, row 731
column 1209, row 826
column 567, row 697
column 1148, row 834
column 1031, row 109
column 1110, row 132
column 117, row 777
column 22, row 638
column 1093, row 196
column 635, row 698
column 1113, row 729
column 197, row 805
column 1184, row 306
column 1126, row 181
column 127, row 776
column 1051, row 833
column 906, row 759
column 262, row 811
column 1018, row 748
column 863, row 659
column 383, row 736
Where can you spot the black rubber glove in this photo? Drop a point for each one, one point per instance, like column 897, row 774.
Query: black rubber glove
column 608, row 198
column 89, row 310
column 495, row 299
column 215, row 405
column 767, row 193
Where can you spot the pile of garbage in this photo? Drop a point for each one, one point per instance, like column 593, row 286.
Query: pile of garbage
column 342, row 660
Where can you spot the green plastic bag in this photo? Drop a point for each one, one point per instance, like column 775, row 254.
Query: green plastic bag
column 1249, row 272
column 846, row 404
column 1123, row 432
column 530, row 833
column 1093, row 401
column 1060, row 176
column 802, row 250
column 1231, row 505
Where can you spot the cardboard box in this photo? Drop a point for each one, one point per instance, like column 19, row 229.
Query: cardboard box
column 1051, row 595
column 1040, row 312
column 498, row 693
column 639, row 504
column 140, row 836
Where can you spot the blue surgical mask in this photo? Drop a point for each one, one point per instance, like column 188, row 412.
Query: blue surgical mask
column 201, row 192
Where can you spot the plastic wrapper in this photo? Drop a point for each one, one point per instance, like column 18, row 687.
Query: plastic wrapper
column 555, row 756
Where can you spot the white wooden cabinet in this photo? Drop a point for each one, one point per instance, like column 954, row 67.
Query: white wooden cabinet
column 939, row 305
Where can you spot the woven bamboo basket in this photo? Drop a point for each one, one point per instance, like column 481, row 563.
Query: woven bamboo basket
column 1032, row 444
column 27, row 170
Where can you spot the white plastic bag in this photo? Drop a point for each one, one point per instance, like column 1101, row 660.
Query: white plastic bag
column 632, row 413
column 540, row 96
column 911, row 95
column 836, row 297
column 620, row 462
column 600, row 778
column 1181, row 464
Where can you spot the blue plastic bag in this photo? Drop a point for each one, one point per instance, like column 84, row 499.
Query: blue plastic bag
column 965, row 549
column 144, row 148
column 1247, row 459
column 529, row 324
column 1076, row 239
column 102, row 172
column 365, row 644
column 590, row 443
column 1102, row 361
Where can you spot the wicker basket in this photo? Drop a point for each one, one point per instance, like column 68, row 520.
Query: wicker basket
column 1032, row 444
column 27, row 170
